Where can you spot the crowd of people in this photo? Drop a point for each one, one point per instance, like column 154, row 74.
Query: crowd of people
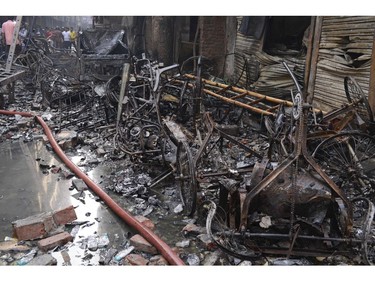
column 59, row 38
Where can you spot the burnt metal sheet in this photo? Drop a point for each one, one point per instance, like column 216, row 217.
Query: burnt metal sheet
column 345, row 49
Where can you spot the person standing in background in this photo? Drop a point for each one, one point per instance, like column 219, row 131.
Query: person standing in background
column 73, row 37
column 7, row 30
column 66, row 35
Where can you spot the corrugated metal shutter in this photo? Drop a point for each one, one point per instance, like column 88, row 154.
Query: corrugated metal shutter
column 245, row 47
column 345, row 50
column 262, row 72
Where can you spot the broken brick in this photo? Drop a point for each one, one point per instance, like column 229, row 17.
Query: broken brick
column 135, row 259
column 145, row 222
column 64, row 216
column 142, row 244
column 53, row 241
column 33, row 227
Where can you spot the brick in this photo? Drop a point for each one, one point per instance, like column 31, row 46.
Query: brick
column 158, row 260
column 53, row 241
column 64, row 216
column 142, row 244
column 145, row 222
column 33, row 227
column 135, row 259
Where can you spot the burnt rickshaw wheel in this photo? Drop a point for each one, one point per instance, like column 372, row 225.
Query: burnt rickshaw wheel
column 355, row 94
column 349, row 158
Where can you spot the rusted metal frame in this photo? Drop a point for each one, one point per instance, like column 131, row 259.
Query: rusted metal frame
column 371, row 90
column 260, row 186
column 234, row 203
column 344, row 121
column 295, row 236
column 303, row 252
column 233, row 140
column 331, row 183
column 162, row 177
column 209, row 175
column 197, row 94
column 367, row 226
column 300, row 150
column 334, row 114
column 321, row 134
column 210, row 129
column 314, row 59
column 269, row 235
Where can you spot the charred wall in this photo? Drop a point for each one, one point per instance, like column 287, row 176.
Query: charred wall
column 161, row 46
column 213, row 40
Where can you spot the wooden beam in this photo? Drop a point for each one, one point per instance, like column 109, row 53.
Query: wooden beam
column 314, row 59
column 309, row 53
column 371, row 89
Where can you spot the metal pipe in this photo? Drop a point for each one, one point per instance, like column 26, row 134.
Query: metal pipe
column 151, row 237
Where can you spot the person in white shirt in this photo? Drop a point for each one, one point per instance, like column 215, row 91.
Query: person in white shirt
column 66, row 35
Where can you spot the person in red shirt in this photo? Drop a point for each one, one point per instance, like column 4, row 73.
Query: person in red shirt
column 7, row 30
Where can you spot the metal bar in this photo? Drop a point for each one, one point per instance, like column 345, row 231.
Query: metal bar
column 124, row 80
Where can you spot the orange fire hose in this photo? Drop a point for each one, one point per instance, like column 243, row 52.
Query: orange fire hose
column 150, row 236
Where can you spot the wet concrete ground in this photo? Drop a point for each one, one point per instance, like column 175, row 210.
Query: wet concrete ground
column 27, row 189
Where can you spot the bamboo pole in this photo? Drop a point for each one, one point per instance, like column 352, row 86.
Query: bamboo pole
column 239, row 90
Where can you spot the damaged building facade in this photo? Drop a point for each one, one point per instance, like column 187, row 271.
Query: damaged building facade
column 248, row 139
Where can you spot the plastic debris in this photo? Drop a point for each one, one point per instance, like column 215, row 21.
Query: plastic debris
column 122, row 254
column 27, row 258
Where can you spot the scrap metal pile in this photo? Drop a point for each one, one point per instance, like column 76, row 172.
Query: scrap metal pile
column 302, row 184
column 295, row 182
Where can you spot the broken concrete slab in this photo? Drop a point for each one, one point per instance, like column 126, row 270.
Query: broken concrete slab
column 79, row 184
column 53, row 241
column 106, row 256
column 43, row 260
